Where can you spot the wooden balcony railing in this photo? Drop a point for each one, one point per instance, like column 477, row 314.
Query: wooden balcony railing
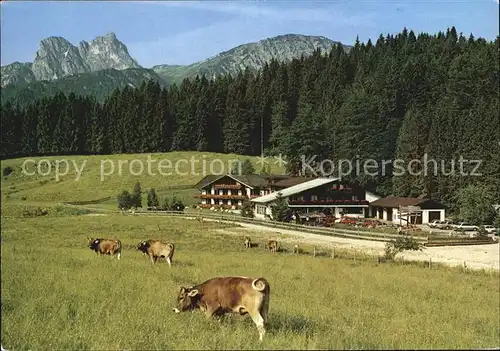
column 227, row 186
column 226, row 207
column 217, row 196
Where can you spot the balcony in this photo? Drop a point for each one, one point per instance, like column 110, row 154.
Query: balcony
column 216, row 196
column 328, row 202
column 227, row 186
column 226, row 207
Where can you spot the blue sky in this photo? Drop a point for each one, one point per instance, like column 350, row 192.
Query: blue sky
column 185, row 32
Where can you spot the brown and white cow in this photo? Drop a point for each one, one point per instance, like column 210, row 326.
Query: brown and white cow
column 105, row 246
column 272, row 245
column 222, row 295
column 156, row 249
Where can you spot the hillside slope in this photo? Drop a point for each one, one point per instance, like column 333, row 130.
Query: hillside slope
column 101, row 177
column 97, row 84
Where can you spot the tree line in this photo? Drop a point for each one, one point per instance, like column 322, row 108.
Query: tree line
column 402, row 97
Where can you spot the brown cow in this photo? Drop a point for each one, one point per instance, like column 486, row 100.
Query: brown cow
column 105, row 246
column 248, row 242
column 156, row 249
column 222, row 295
column 272, row 245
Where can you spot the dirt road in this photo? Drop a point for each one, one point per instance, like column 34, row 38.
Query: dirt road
column 475, row 256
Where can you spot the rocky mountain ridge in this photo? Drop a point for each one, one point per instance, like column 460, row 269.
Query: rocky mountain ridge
column 100, row 66
column 57, row 58
column 250, row 55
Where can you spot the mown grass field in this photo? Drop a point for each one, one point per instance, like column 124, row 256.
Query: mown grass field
column 57, row 294
column 102, row 176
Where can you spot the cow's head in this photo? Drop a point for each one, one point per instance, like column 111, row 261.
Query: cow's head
column 143, row 246
column 187, row 299
column 93, row 243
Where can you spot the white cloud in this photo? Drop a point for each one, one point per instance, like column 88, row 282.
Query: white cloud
column 248, row 21
column 262, row 10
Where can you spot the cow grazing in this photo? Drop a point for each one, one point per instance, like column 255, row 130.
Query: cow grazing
column 105, row 246
column 272, row 245
column 248, row 242
column 156, row 249
column 222, row 295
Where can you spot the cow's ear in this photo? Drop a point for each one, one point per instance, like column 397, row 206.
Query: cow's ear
column 193, row 293
column 183, row 290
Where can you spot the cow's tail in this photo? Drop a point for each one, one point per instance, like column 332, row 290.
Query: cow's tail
column 260, row 284
column 118, row 248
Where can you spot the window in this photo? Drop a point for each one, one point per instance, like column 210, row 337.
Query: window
column 260, row 209
column 203, row 192
column 314, row 197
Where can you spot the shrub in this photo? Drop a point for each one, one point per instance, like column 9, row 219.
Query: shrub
column 402, row 243
column 152, row 199
column 136, row 197
column 124, row 200
column 7, row 171
column 247, row 210
column 34, row 212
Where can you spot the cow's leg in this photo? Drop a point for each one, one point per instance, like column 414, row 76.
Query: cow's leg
column 210, row 312
column 169, row 261
column 118, row 254
column 259, row 322
column 153, row 258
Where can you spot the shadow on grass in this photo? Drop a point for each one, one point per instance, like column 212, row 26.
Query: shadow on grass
column 282, row 323
column 182, row 263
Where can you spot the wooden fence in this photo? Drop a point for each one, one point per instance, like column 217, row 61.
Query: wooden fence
column 344, row 233
column 337, row 232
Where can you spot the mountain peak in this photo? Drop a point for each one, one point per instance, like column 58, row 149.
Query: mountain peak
column 57, row 58
column 252, row 55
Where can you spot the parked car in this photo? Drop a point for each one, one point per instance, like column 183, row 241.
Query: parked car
column 446, row 225
column 441, row 224
column 464, row 226
column 491, row 229
column 435, row 223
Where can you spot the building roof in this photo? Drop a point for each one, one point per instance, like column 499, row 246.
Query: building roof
column 254, row 180
column 314, row 183
column 290, row 181
column 396, row 201
column 208, row 179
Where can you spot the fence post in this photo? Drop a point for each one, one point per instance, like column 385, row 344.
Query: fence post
column 430, row 262
column 465, row 266
column 354, row 255
column 333, row 252
column 314, row 251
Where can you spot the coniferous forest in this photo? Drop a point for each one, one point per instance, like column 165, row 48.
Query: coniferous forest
column 401, row 97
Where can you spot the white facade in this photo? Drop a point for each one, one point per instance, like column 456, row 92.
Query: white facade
column 396, row 218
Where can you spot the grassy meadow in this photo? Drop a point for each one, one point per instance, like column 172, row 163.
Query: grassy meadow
column 57, row 294
column 102, row 176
